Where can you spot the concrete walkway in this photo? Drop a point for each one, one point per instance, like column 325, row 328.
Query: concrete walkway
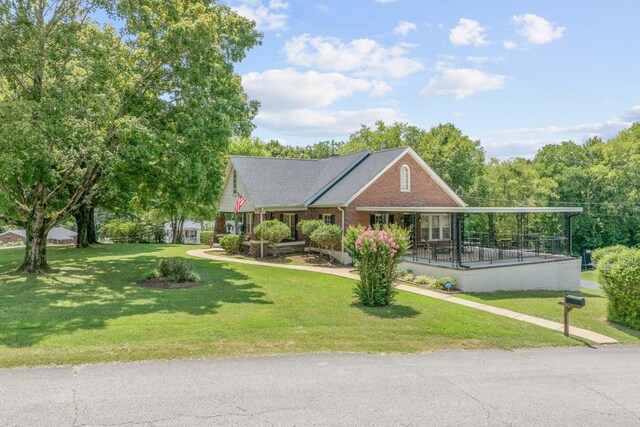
column 590, row 285
column 346, row 273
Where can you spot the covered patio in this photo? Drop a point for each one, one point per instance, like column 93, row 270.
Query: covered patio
column 491, row 248
column 458, row 237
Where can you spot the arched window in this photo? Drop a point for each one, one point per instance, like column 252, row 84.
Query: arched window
column 405, row 178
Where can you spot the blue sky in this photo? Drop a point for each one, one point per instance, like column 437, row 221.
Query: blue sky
column 514, row 74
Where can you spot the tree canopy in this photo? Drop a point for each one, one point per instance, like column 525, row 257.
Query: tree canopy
column 80, row 101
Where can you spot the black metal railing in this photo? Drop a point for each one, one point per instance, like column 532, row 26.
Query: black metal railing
column 480, row 247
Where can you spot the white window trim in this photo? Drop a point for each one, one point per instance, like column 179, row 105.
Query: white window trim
column 325, row 217
column 408, row 169
column 441, row 227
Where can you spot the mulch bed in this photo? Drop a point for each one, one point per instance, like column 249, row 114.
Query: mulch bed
column 164, row 283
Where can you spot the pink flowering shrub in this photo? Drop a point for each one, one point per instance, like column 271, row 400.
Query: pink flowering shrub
column 376, row 254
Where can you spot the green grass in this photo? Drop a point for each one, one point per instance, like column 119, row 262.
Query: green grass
column 545, row 304
column 91, row 310
column 590, row 275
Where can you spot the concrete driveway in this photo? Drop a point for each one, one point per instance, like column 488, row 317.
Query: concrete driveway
column 559, row 386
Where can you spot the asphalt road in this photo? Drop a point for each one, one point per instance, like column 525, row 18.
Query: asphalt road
column 559, row 386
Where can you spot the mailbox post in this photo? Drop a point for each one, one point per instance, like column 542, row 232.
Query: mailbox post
column 570, row 302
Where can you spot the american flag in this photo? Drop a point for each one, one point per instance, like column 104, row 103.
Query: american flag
column 239, row 202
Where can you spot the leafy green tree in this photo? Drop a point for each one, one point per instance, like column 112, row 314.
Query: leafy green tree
column 76, row 97
column 455, row 157
column 248, row 147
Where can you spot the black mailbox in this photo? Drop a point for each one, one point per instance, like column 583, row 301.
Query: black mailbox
column 574, row 301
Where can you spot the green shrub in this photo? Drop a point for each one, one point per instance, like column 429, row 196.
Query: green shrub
column 273, row 232
column 350, row 237
column 308, row 226
column 124, row 231
column 327, row 236
column 377, row 254
column 440, row 283
column 151, row 274
column 409, row 277
column 175, row 270
column 231, row 243
column 206, row 238
column 423, row 280
column 600, row 253
column 193, row 277
column 619, row 274
column 402, row 273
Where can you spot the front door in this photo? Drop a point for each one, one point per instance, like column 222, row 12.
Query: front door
column 290, row 220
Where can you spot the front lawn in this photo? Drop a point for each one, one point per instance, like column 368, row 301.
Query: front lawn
column 590, row 275
column 91, row 310
column 545, row 304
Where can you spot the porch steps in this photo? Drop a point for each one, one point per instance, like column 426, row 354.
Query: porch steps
column 346, row 273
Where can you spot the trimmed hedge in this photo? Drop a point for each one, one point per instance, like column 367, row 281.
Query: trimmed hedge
column 619, row 274
column 123, row 231
column 600, row 253
column 206, row 237
column 327, row 236
column 308, row 226
column 273, row 231
column 231, row 243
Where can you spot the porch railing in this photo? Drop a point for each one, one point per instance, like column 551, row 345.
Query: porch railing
column 481, row 247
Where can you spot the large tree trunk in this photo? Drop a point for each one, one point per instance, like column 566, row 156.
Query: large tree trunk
column 86, row 225
column 35, row 256
column 91, row 227
column 177, row 226
column 81, row 216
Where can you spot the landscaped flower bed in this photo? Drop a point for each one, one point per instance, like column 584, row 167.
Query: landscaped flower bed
column 428, row 281
column 172, row 273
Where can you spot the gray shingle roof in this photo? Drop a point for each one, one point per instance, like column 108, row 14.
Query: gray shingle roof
column 298, row 182
column 358, row 177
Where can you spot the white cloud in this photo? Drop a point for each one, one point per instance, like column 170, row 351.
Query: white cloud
column 605, row 129
column 364, row 57
column 405, row 27
column 537, row 30
column 509, row 44
column 322, row 8
column 289, row 89
column 322, row 123
column 385, row 1
column 633, row 115
column 478, row 60
column 278, row 5
column 468, row 32
column 462, row 82
column 268, row 16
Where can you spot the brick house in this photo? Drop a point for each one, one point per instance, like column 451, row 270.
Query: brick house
column 390, row 186
column 333, row 189
column 56, row 236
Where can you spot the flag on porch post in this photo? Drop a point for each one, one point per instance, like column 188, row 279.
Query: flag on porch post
column 239, row 202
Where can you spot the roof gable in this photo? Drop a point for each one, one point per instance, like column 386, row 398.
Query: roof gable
column 420, row 163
